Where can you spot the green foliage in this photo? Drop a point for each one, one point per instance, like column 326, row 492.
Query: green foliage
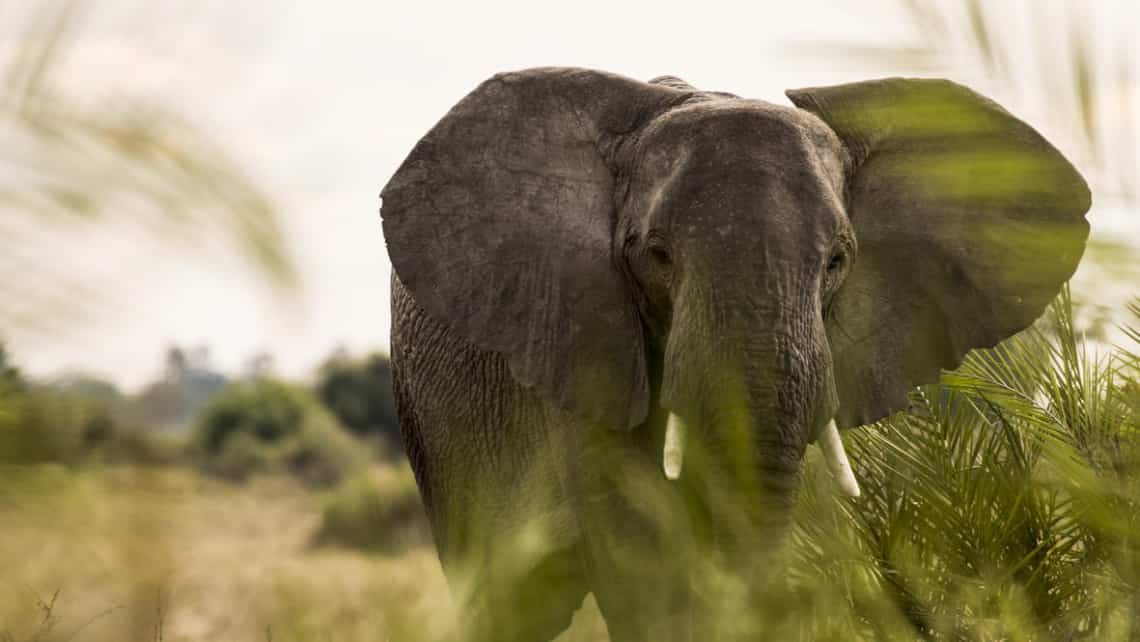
column 74, row 421
column 268, row 426
column 1004, row 505
column 8, row 373
column 359, row 393
column 376, row 510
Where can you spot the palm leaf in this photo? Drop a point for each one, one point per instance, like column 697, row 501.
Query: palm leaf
column 992, row 509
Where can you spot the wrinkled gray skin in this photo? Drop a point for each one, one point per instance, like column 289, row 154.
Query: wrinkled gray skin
column 576, row 254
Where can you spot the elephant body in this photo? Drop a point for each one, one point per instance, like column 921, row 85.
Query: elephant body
column 621, row 312
column 505, row 475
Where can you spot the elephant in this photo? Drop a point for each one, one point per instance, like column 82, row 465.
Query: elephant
column 622, row 311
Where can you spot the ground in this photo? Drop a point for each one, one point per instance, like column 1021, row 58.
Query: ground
column 127, row 553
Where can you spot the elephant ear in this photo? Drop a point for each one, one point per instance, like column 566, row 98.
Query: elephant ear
column 500, row 224
column 967, row 222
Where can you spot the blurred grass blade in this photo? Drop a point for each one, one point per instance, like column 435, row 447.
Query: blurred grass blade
column 1083, row 80
column 69, row 165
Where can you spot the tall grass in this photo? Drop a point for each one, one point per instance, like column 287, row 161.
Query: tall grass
column 73, row 166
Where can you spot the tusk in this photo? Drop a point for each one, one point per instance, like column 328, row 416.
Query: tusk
column 836, row 457
column 674, row 455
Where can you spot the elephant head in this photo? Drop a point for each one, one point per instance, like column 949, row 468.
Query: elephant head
column 767, row 274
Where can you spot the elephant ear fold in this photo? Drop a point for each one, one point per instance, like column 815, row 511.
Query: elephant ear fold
column 967, row 223
column 500, row 224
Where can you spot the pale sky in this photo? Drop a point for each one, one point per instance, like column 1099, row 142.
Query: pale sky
column 320, row 101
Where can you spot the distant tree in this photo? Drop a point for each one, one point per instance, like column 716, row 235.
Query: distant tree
column 176, row 363
column 188, row 384
column 9, row 375
column 88, row 386
column 359, row 393
column 101, row 408
column 260, row 365
column 12, row 405
column 69, row 420
column 270, row 426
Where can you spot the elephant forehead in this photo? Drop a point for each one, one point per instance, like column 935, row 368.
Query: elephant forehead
column 733, row 126
column 730, row 163
column 743, row 149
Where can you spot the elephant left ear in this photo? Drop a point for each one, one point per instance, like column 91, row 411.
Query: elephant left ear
column 967, row 222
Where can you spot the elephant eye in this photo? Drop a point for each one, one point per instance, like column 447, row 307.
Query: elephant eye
column 660, row 255
column 836, row 261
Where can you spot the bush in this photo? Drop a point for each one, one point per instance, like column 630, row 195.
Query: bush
column 72, row 420
column 359, row 393
column 1004, row 505
column 44, row 424
column 378, row 510
column 28, row 431
column 270, row 426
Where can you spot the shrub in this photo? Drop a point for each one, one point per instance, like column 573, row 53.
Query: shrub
column 270, row 426
column 377, row 510
column 28, row 431
column 76, row 419
column 40, row 424
column 1004, row 505
column 359, row 393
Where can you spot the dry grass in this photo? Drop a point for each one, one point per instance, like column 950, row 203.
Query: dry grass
column 1003, row 506
column 131, row 554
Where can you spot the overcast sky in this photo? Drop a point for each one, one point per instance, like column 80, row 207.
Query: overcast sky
column 320, row 101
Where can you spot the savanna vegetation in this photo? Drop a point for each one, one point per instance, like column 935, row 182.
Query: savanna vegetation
column 235, row 525
column 1005, row 505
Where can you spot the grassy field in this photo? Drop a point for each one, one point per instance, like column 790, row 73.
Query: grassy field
column 1005, row 505
column 127, row 553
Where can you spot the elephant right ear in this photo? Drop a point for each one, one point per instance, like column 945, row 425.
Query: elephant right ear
column 967, row 221
column 500, row 224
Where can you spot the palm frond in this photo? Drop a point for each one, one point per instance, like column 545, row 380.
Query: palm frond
column 996, row 507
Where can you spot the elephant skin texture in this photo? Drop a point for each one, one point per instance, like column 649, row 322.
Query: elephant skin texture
column 582, row 259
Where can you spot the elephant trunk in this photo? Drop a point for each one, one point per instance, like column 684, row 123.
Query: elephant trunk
column 748, row 382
